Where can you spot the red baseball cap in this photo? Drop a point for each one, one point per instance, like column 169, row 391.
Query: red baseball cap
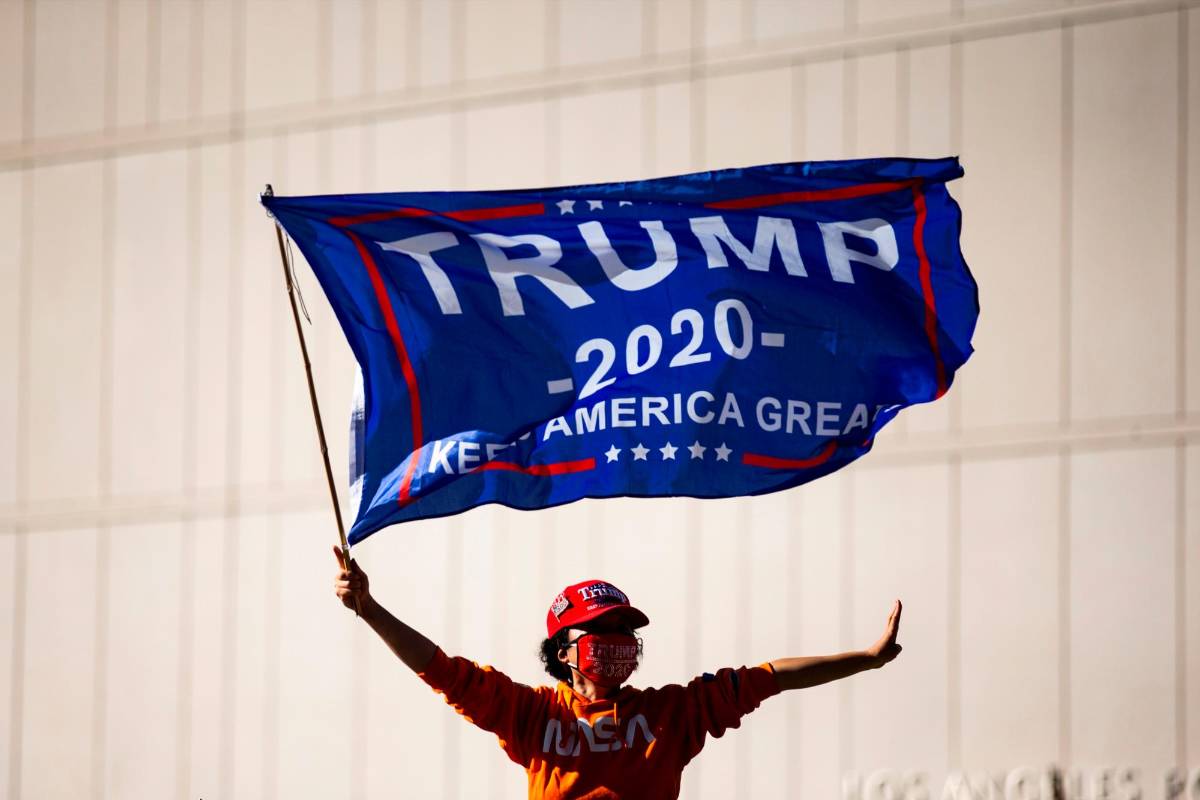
column 590, row 600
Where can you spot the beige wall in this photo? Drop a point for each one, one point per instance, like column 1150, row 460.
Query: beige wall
column 164, row 532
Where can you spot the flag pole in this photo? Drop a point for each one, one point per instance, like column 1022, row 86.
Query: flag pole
column 312, row 392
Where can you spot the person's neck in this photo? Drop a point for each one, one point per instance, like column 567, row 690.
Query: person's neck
column 592, row 691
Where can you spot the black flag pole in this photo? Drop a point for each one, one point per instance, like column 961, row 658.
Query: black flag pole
column 312, row 393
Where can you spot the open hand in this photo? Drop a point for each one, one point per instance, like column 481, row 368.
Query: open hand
column 351, row 585
column 886, row 648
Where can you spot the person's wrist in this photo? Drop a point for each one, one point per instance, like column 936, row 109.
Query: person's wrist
column 369, row 608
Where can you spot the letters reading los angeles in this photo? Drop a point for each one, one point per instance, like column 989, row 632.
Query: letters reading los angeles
column 711, row 232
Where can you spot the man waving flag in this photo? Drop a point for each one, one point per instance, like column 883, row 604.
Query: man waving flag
column 716, row 334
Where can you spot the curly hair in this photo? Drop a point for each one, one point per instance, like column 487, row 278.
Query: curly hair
column 557, row 669
column 549, row 655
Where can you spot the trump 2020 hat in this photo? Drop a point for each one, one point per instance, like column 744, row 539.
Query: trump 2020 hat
column 589, row 600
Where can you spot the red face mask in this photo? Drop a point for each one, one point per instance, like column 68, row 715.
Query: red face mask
column 606, row 659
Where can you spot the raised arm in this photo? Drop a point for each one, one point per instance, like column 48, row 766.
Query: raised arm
column 409, row 645
column 799, row 673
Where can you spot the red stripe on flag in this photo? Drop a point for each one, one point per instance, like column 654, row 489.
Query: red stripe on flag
column 465, row 215
column 756, row 460
column 378, row 216
column 557, row 468
column 931, row 325
column 504, row 212
column 813, row 196
column 410, row 377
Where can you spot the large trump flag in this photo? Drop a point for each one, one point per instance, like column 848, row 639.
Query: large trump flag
column 715, row 334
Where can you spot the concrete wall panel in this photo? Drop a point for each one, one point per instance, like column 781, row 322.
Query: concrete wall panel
column 11, row 280
column 1122, row 608
column 148, row 348
column 748, row 119
column 143, row 629
column 58, row 698
column 1123, row 311
column 1012, row 230
column 64, row 347
column 1009, row 622
column 69, row 62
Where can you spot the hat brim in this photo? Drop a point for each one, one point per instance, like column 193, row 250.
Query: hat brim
column 633, row 616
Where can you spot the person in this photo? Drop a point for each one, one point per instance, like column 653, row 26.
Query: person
column 592, row 736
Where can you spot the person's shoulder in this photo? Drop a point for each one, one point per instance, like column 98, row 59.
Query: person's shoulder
column 664, row 693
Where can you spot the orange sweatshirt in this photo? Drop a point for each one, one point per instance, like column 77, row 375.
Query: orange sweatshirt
column 634, row 744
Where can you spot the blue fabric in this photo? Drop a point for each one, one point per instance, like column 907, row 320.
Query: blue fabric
column 677, row 338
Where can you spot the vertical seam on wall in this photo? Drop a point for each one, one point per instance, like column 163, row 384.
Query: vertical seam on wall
column 1181, row 485
column 1066, row 166
column 696, row 86
column 452, row 767
column 954, row 618
column 552, row 110
column 187, row 576
column 846, row 688
column 153, row 61
column 1064, row 608
column 103, row 532
column 649, row 93
column 16, row 721
column 1181, row 226
column 1067, row 90
column 231, row 554
column 272, row 644
column 323, row 65
column 491, row 527
column 743, row 507
column 1181, row 714
column 794, row 615
column 105, row 415
column 849, row 106
column 800, row 108
column 412, row 39
column 187, row 566
column 28, row 67
column 17, row 678
column 368, row 45
column 649, row 31
column 649, row 155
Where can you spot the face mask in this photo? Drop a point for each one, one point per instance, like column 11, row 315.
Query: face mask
column 606, row 659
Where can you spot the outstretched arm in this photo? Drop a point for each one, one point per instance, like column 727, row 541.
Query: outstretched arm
column 800, row 673
column 409, row 645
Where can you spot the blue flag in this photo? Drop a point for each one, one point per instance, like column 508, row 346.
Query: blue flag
column 716, row 334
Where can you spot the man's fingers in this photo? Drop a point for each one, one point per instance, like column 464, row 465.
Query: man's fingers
column 341, row 559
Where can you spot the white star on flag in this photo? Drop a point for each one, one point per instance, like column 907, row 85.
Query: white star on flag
column 668, row 451
column 639, row 452
column 723, row 452
column 612, row 452
column 624, row 203
column 566, row 206
column 697, row 449
column 594, row 204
